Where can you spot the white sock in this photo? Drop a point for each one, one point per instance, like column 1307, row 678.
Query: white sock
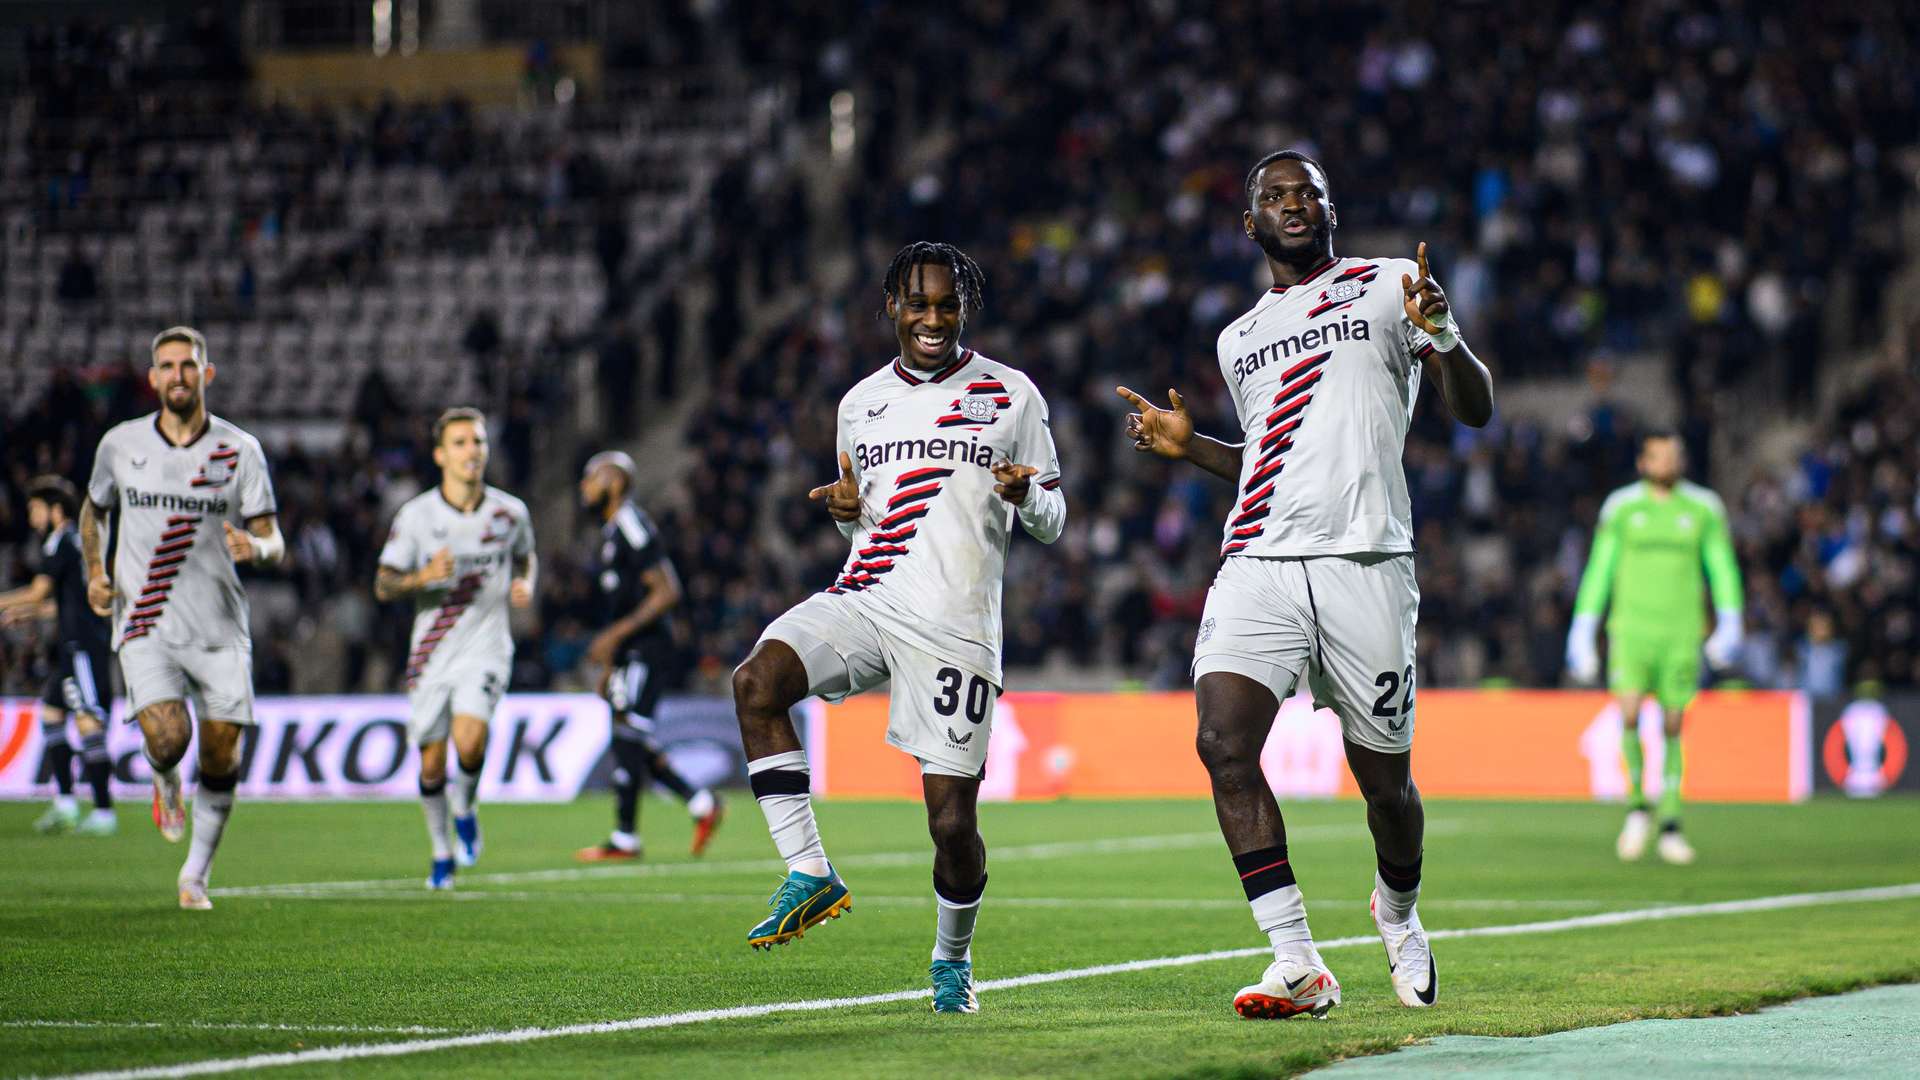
column 1282, row 916
column 1395, row 907
column 701, row 804
column 789, row 812
column 625, row 841
column 461, row 788
column 953, row 926
column 210, row 810
column 439, row 823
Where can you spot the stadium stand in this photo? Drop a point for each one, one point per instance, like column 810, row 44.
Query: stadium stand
column 1600, row 225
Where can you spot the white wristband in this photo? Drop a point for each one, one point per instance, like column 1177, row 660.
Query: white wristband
column 1447, row 337
column 268, row 549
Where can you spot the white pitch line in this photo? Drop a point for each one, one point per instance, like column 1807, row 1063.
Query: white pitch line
column 206, row 1025
column 1119, row 845
column 357, row 1051
column 1157, row 903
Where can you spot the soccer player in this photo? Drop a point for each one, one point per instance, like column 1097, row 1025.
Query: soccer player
column 176, row 482
column 1650, row 544
column 1317, row 574
column 461, row 552
column 931, row 480
column 79, row 682
column 636, row 590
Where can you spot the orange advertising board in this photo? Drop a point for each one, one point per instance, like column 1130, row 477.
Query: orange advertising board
column 1742, row 746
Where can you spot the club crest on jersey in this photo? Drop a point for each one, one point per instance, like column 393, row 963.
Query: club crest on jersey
column 1342, row 291
column 499, row 527
column 219, row 467
column 982, row 404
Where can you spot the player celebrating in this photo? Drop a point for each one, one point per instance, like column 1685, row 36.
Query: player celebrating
column 79, row 680
column 462, row 552
column 176, row 482
column 1317, row 578
column 1649, row 545
column 637, row 592
column 930, row 484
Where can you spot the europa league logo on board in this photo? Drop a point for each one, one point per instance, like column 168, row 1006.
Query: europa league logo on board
column 1865, row 751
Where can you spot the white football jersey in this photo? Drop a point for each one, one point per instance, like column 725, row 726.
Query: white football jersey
column 173, row 577
column 1324, row 374
column 460, row 628
column 930, row 551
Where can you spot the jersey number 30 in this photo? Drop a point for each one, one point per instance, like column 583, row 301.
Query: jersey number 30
column 979, row 694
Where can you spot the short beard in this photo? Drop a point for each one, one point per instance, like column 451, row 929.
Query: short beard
column 192, row 406
column 1272, row 244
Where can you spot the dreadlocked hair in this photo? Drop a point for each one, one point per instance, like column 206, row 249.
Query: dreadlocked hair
column 967, row 278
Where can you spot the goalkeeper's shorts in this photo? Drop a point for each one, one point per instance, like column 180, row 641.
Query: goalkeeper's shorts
column 1666, row 667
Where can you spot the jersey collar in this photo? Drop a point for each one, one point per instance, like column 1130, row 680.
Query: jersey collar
column 1311, row 274
column 911, row 379
column 206, row 425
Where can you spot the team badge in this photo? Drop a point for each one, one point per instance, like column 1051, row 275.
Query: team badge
column 1206, row 632
column 982, row 404
column 1342, row 291
column 219, row 467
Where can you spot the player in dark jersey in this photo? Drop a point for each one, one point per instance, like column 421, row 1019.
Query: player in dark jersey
column 79, row 680
column 635, row 590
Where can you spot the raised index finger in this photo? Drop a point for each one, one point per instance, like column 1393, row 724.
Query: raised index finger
column 1422, row 257
column 846, row 465
column 1138, row 402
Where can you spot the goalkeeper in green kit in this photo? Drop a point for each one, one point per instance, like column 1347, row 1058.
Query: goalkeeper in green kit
column 1650, row 546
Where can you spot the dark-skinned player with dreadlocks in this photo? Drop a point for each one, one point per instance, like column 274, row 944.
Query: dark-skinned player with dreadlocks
column 940, row 452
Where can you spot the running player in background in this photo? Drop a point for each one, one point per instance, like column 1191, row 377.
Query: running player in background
column 1652, row 541
column 931, row 480
column 461, row 552
column 176, row 482
column 1317, row 574
column 80, row 679
column 635, row 592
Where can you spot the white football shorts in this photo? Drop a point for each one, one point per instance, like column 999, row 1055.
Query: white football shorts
column 455, row 692
column 1345, row 621
column 217, row 679
column 939, row 711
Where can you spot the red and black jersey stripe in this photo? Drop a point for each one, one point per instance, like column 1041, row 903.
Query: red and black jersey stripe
column 164, row 566
column 459, row 598
column 914, row 490
column 1288, row 411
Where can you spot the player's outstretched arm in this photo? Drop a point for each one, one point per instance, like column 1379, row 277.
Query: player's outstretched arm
column 1465, row 384
column 1043, row 510
column 1169, row 433
column 99, row 585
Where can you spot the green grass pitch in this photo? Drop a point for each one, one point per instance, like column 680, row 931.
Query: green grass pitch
column 102, row 971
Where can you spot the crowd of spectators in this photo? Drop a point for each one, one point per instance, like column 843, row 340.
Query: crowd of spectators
column 1712, row 186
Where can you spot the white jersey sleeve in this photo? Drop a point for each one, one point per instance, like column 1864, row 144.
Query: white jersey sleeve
column 1044, row 513
column 402, row 549
column 843, row 444
column 255, row 484
column 102, row 488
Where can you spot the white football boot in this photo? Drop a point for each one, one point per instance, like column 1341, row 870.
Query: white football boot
column 1291, row 986
column 1633, row 836
column 1409, row 957
column 1675, row 849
